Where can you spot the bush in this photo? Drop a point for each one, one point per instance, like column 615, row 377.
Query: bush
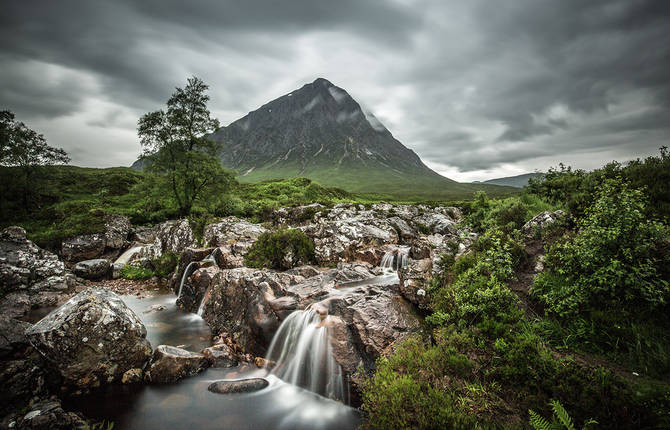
column 165, row 264
column 616, row 260
column 281, row 250
column 135, row 273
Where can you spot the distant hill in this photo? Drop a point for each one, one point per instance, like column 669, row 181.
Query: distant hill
column 320, row 132
column 518, row 181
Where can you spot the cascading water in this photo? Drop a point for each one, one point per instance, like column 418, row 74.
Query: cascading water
column 302, row 355
column 393, row 261
column 185, row 275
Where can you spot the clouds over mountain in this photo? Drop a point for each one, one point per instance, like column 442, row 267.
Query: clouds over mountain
column 475, row 88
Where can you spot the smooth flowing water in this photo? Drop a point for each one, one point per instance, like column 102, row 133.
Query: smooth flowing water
column 188, row 403
column 303, row 355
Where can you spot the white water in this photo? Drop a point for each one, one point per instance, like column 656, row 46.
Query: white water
column 393, row 261
column 126, row 256
column 303, row 355
column 184, row 276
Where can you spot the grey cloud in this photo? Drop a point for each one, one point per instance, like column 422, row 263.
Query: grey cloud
column 470, row 85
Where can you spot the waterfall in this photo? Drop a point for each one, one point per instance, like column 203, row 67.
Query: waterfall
column 184, row 276
column 126, row 256
column 302, row 355
column 203, row 302
column 394, row 261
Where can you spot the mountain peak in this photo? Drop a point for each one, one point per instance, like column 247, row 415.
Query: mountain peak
column 321, row 132
column 322, row 81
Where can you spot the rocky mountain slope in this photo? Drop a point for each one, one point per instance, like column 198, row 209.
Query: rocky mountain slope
column 319, row 131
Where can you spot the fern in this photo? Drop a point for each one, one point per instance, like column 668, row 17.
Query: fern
column 539, row 423
column 562, row 415
column 560, row 420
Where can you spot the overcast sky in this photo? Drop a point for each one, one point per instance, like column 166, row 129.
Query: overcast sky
column 479, row 89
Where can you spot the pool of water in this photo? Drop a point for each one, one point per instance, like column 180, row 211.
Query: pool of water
column 189, row 405
column 171, row 325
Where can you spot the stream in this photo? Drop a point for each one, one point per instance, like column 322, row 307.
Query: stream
column 188, row 403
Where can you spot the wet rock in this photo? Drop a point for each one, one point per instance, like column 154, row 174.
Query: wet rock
column 92, row 269
column 108, row 243
column 415, row 281
column 117, row 230
column 13, row 340
column 132, row 376
column 83, row 247
column 540, row 222
column 261, row 362
column 379, row 320
column 15, row 305
column 238, row 386
column 174, row 236
column 170, row 364
column 195, row 288
column 403, row 228
column 233, row 231
column 304, row 271
column 243, row 304
column 188, row 256
column 46, row 415
column 437, row 223
column 27, row 272
column 346, row 231
column 220, row 355
column 92, row 339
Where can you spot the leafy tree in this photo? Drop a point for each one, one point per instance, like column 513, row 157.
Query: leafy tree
column 27, row 150
column 176, row 149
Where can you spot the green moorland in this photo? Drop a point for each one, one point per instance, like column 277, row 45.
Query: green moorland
column 396, row 185
column 66, row 200
column 502, row 349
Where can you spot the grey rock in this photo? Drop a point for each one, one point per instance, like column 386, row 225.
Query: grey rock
column 92, row 339
column 92, row 269
column 238, row 386
column 170, row 364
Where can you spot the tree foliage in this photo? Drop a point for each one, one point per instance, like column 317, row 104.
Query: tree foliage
column 27, row 150
column 176, row 149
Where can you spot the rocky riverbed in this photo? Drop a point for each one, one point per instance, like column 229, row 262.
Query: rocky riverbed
column 105, row 334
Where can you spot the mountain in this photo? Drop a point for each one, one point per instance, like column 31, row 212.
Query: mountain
column 320, row 132
column 518, row 181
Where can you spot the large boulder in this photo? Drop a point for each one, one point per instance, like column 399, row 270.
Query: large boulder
column 174, row 236
column 92, row 339
column 170, row 364
column 247, row 305
column 233, row 235
column 92, row 269
column 29, row 275
column 346, row 231
column 108, row 243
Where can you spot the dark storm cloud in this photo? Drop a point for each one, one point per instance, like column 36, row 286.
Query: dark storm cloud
column 471, row 86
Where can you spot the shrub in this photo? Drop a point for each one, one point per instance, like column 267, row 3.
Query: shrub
column 281, row 250
column 165, row 264
column 616, row 260
column 135, row 273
